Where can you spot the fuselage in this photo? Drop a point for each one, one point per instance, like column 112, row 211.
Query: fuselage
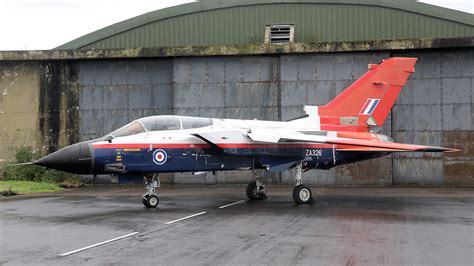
column 180, row 150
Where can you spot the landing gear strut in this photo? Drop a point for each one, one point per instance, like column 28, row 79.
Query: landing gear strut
column 255, row 189
column 150, row 198
column 301, row 193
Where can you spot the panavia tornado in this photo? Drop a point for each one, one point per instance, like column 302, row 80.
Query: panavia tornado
column 340, row 132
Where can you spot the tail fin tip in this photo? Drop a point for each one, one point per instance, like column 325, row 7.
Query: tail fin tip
column 371, row 97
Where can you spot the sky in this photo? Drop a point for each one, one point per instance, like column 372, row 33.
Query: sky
column 45, row 24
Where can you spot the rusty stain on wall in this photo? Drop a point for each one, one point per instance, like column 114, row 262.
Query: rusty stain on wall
column 459, row 167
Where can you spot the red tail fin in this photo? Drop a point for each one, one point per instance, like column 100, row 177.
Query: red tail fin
column 369, row 100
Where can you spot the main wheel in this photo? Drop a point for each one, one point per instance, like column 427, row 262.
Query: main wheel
column 151, row 201
column 251, row 192
column 302, row 194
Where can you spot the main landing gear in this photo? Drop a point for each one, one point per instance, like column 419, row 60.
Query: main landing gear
column 301, row 193
column 150, row 198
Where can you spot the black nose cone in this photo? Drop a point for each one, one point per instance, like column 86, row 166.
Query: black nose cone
column 75, row 159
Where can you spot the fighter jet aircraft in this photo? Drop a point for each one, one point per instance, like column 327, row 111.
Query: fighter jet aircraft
column 340, row 132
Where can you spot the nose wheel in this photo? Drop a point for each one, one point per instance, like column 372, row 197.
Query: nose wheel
column 150, row 198
column 255, row 192
column 255, row 189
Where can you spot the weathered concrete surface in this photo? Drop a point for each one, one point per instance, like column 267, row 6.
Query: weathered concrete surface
column 249, row 49
column 459, row 168
column 345, row 226
column 38, row 107
column 83, row 99
column 19, row 107
column 58, row 104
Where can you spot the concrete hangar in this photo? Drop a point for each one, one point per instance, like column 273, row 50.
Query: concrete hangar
column 253, row 59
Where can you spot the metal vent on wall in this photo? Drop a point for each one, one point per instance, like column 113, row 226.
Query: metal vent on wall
column 279, row 33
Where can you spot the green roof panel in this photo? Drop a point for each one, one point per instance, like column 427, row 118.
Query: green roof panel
column 229, row 22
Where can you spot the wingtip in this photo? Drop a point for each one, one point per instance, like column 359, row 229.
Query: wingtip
column 453, row 150
column 442, row 149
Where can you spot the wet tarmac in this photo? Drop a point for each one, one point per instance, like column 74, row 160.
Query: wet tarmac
column 196, row 225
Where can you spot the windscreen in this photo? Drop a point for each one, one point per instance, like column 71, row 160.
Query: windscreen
column 130, row 129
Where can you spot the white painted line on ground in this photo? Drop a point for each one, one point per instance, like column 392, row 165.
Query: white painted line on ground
column 187, row 217
column 232, row 204
column 98, row 244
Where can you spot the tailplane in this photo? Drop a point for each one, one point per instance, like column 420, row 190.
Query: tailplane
column 367, row 102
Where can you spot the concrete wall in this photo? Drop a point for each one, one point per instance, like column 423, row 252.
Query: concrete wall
column 90, row 98
column 19, row 107
column 38, row 107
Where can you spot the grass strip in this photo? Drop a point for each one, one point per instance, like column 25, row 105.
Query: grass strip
column 28, row 187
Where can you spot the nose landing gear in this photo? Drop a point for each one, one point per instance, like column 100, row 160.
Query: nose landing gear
column 150, row 198
column 255, row 189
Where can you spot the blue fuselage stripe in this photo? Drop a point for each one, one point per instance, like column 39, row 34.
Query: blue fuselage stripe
column 205, row 159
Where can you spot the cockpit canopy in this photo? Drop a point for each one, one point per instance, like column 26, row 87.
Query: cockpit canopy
column 160, row 123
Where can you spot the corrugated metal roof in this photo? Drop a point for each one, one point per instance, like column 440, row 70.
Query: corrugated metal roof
column 227, row 22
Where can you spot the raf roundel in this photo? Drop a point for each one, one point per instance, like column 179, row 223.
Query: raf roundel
column 159, row 157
